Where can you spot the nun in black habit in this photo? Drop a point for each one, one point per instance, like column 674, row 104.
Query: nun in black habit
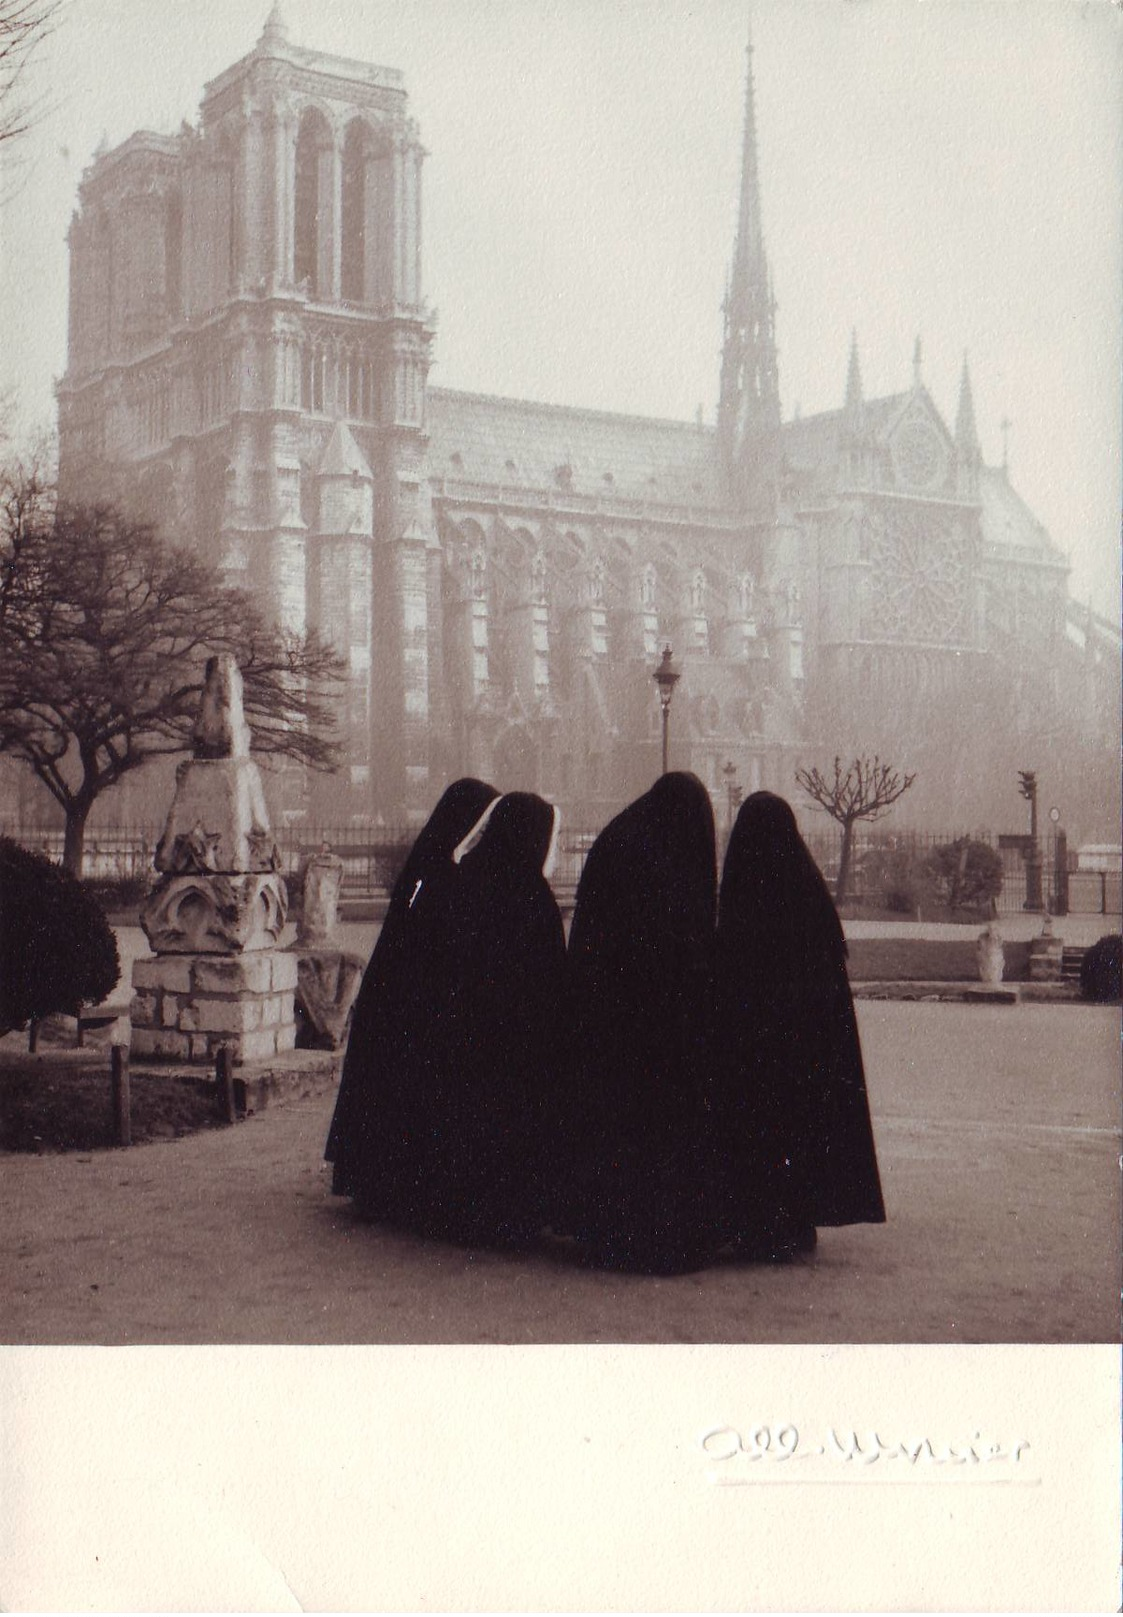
column 789, row 1106
column 503, row 1059
column 380, row 1128
column 640, row 980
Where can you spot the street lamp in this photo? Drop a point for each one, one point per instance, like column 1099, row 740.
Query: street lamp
column 666, row 676
column 1059, row 905
column 1027, row 786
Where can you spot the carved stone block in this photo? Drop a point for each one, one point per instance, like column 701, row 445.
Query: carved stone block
column 199, row 914
column 323, row 881
column 327, row 984
column 218, row 821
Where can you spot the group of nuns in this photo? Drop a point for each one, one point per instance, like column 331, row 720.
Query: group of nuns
column 683, row 1081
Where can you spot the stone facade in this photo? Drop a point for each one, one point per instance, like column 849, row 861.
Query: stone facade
column 249, row 351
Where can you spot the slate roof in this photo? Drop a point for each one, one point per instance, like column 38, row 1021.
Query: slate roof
column 519, row 443
column 477, row 438
column 811, row 443
column 1007, row 521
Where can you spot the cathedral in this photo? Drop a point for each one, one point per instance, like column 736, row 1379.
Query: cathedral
column 248, row 358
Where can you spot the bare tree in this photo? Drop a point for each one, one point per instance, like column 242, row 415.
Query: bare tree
column 866, row 791
column 104, row 632
column 24, row 25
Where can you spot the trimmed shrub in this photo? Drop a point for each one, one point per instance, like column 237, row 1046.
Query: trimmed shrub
column 895, row 879
column 1101, row 971
column 57, row 950
column 967, row 875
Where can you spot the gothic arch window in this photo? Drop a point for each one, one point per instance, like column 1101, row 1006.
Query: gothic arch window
column 745, row 592
column 477, row 572
column 312, row 214
column 538, row 577
column 314, row 378
column 353, row 212
column 701, row 623
column 358, row 385
column 648, row 583
column 219, row 179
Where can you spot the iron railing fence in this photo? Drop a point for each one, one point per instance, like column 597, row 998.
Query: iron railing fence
column 373, row 852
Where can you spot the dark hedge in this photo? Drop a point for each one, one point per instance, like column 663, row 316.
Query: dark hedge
column 57, row 950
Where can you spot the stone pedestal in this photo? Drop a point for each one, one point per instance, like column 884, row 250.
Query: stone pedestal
column 1046, row 956
column 186, row 1006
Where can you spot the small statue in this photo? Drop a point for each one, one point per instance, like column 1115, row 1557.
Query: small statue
column 990, row 955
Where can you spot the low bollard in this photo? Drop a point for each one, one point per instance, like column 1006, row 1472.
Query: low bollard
column 224, row 1080
column 119, row 1091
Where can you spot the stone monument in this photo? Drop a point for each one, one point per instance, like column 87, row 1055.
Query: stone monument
column 215, row 917
column 990, row 954
column 328, row 977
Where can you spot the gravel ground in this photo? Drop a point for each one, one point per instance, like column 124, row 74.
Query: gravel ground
column 998, row 1137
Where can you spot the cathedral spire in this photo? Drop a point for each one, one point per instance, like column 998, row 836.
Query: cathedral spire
column 966, row 433
column 855, row 400
column 968, row 456
column 275, row 31
column 749, row 406
column 853, row 440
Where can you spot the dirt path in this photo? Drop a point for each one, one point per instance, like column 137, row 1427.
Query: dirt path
column 997, row 1136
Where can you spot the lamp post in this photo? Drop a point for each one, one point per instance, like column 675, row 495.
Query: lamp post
column 1027, row 785
column 666, row 676
column 732, row 795
column 1059, row 905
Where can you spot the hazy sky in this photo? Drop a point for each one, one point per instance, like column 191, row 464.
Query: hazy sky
column 947, row 169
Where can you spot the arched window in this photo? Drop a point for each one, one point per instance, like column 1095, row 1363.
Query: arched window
column 356, row 150
column 313, row 221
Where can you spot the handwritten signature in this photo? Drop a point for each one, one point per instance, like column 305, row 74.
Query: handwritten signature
column 781, row 1444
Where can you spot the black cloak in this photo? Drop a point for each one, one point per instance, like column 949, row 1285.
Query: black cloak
column 379, row 1132
column 499, row 1058
column 789, row 1105
column 640, row 979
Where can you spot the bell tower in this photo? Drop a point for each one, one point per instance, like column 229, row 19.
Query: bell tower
column 242, row 293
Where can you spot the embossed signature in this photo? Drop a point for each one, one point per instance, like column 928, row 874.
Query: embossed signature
column 781, row 1444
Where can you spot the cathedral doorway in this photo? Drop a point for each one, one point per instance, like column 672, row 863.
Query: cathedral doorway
column 516, row 760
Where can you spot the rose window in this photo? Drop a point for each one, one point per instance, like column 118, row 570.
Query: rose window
column 918, row 578
column 919, row 457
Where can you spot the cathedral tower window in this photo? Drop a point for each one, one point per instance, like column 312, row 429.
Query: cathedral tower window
column 701, row 626
column 312, row 227
column 352, row 213
column 477, row 570
column 650, row 616
column 314, row 378
column 598, row 624
column 745, row 593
